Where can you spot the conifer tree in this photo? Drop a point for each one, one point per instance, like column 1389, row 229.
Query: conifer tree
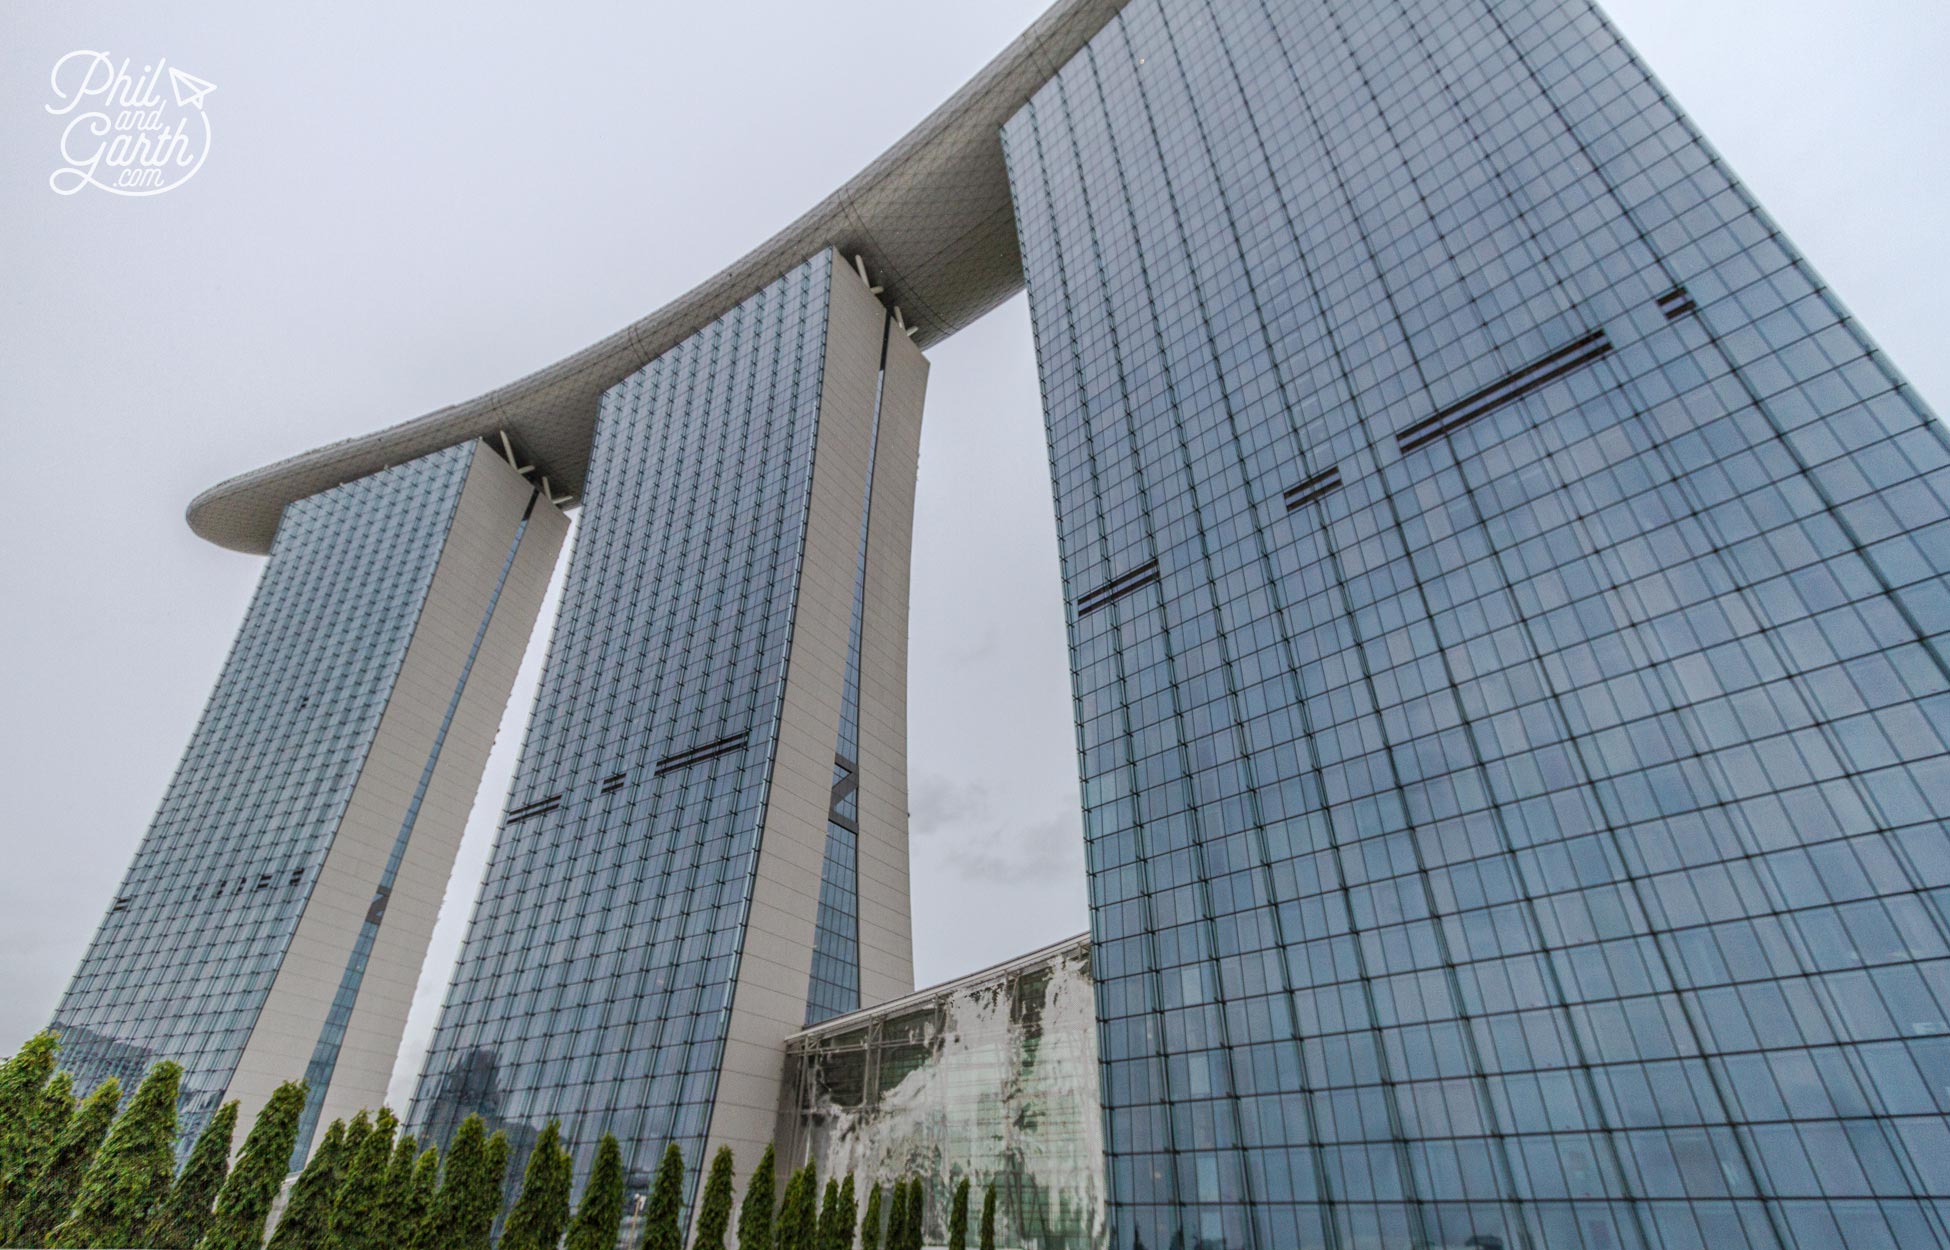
column 245, row 1200
column 541, row 1213
column 307, row 1220
column 849, row 1214
column 395, row 1192
column 917, row 1210
column 900, row 1217
column 896, row 1238
column 132, row 1171
column 185, row 1215
column 488, row 1194
column 714, row 1208
column 62, row 1168
column 414, row 1227
column 811, row 1204
column 599, row 1220
column 755, row 1214
column 362, row 1184
column 448, row 1217
column 53, row 1107
column 799, row 1212
column 870, row 1226
column 21, row 1079
column 356, row 1131
column 958, row 1218
column 57, row 1103
column 829, row 1214
column 663, row 1218
column 987, row 1241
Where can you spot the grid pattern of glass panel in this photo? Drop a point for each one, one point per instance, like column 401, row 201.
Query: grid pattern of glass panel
column 1516, row 809
column 184, row 959
column 594, row 984
column 834, row 988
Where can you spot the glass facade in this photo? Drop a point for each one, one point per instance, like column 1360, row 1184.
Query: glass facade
column 186, row 957
column 1509, row 628
column 595, row 983
column 992, row 1079
column 1509, row 610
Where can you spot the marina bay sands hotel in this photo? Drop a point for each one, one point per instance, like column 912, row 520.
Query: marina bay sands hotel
column 1509, row 629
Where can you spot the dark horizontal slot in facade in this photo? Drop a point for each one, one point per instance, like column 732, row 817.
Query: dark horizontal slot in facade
column 1540, row 372
column 1313, row 488
column 540, row 807
column 297, row 875
column 613, row 783
column 121, row 904
column 1675, row 296
column 1110, row 592
column 698, row 755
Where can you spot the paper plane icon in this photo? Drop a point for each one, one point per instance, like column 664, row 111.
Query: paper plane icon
column 190, row 89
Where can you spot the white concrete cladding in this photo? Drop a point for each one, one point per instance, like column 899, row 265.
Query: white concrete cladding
column 769, row 997
column 931, row 217
column 435, row 674
column 886, row 924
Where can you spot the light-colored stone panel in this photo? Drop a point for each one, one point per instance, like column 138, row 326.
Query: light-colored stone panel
column 886, row 929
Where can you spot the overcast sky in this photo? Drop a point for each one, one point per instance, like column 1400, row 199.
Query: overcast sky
column 405, row 205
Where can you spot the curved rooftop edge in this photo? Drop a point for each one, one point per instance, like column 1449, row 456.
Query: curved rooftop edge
column 931, row 217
